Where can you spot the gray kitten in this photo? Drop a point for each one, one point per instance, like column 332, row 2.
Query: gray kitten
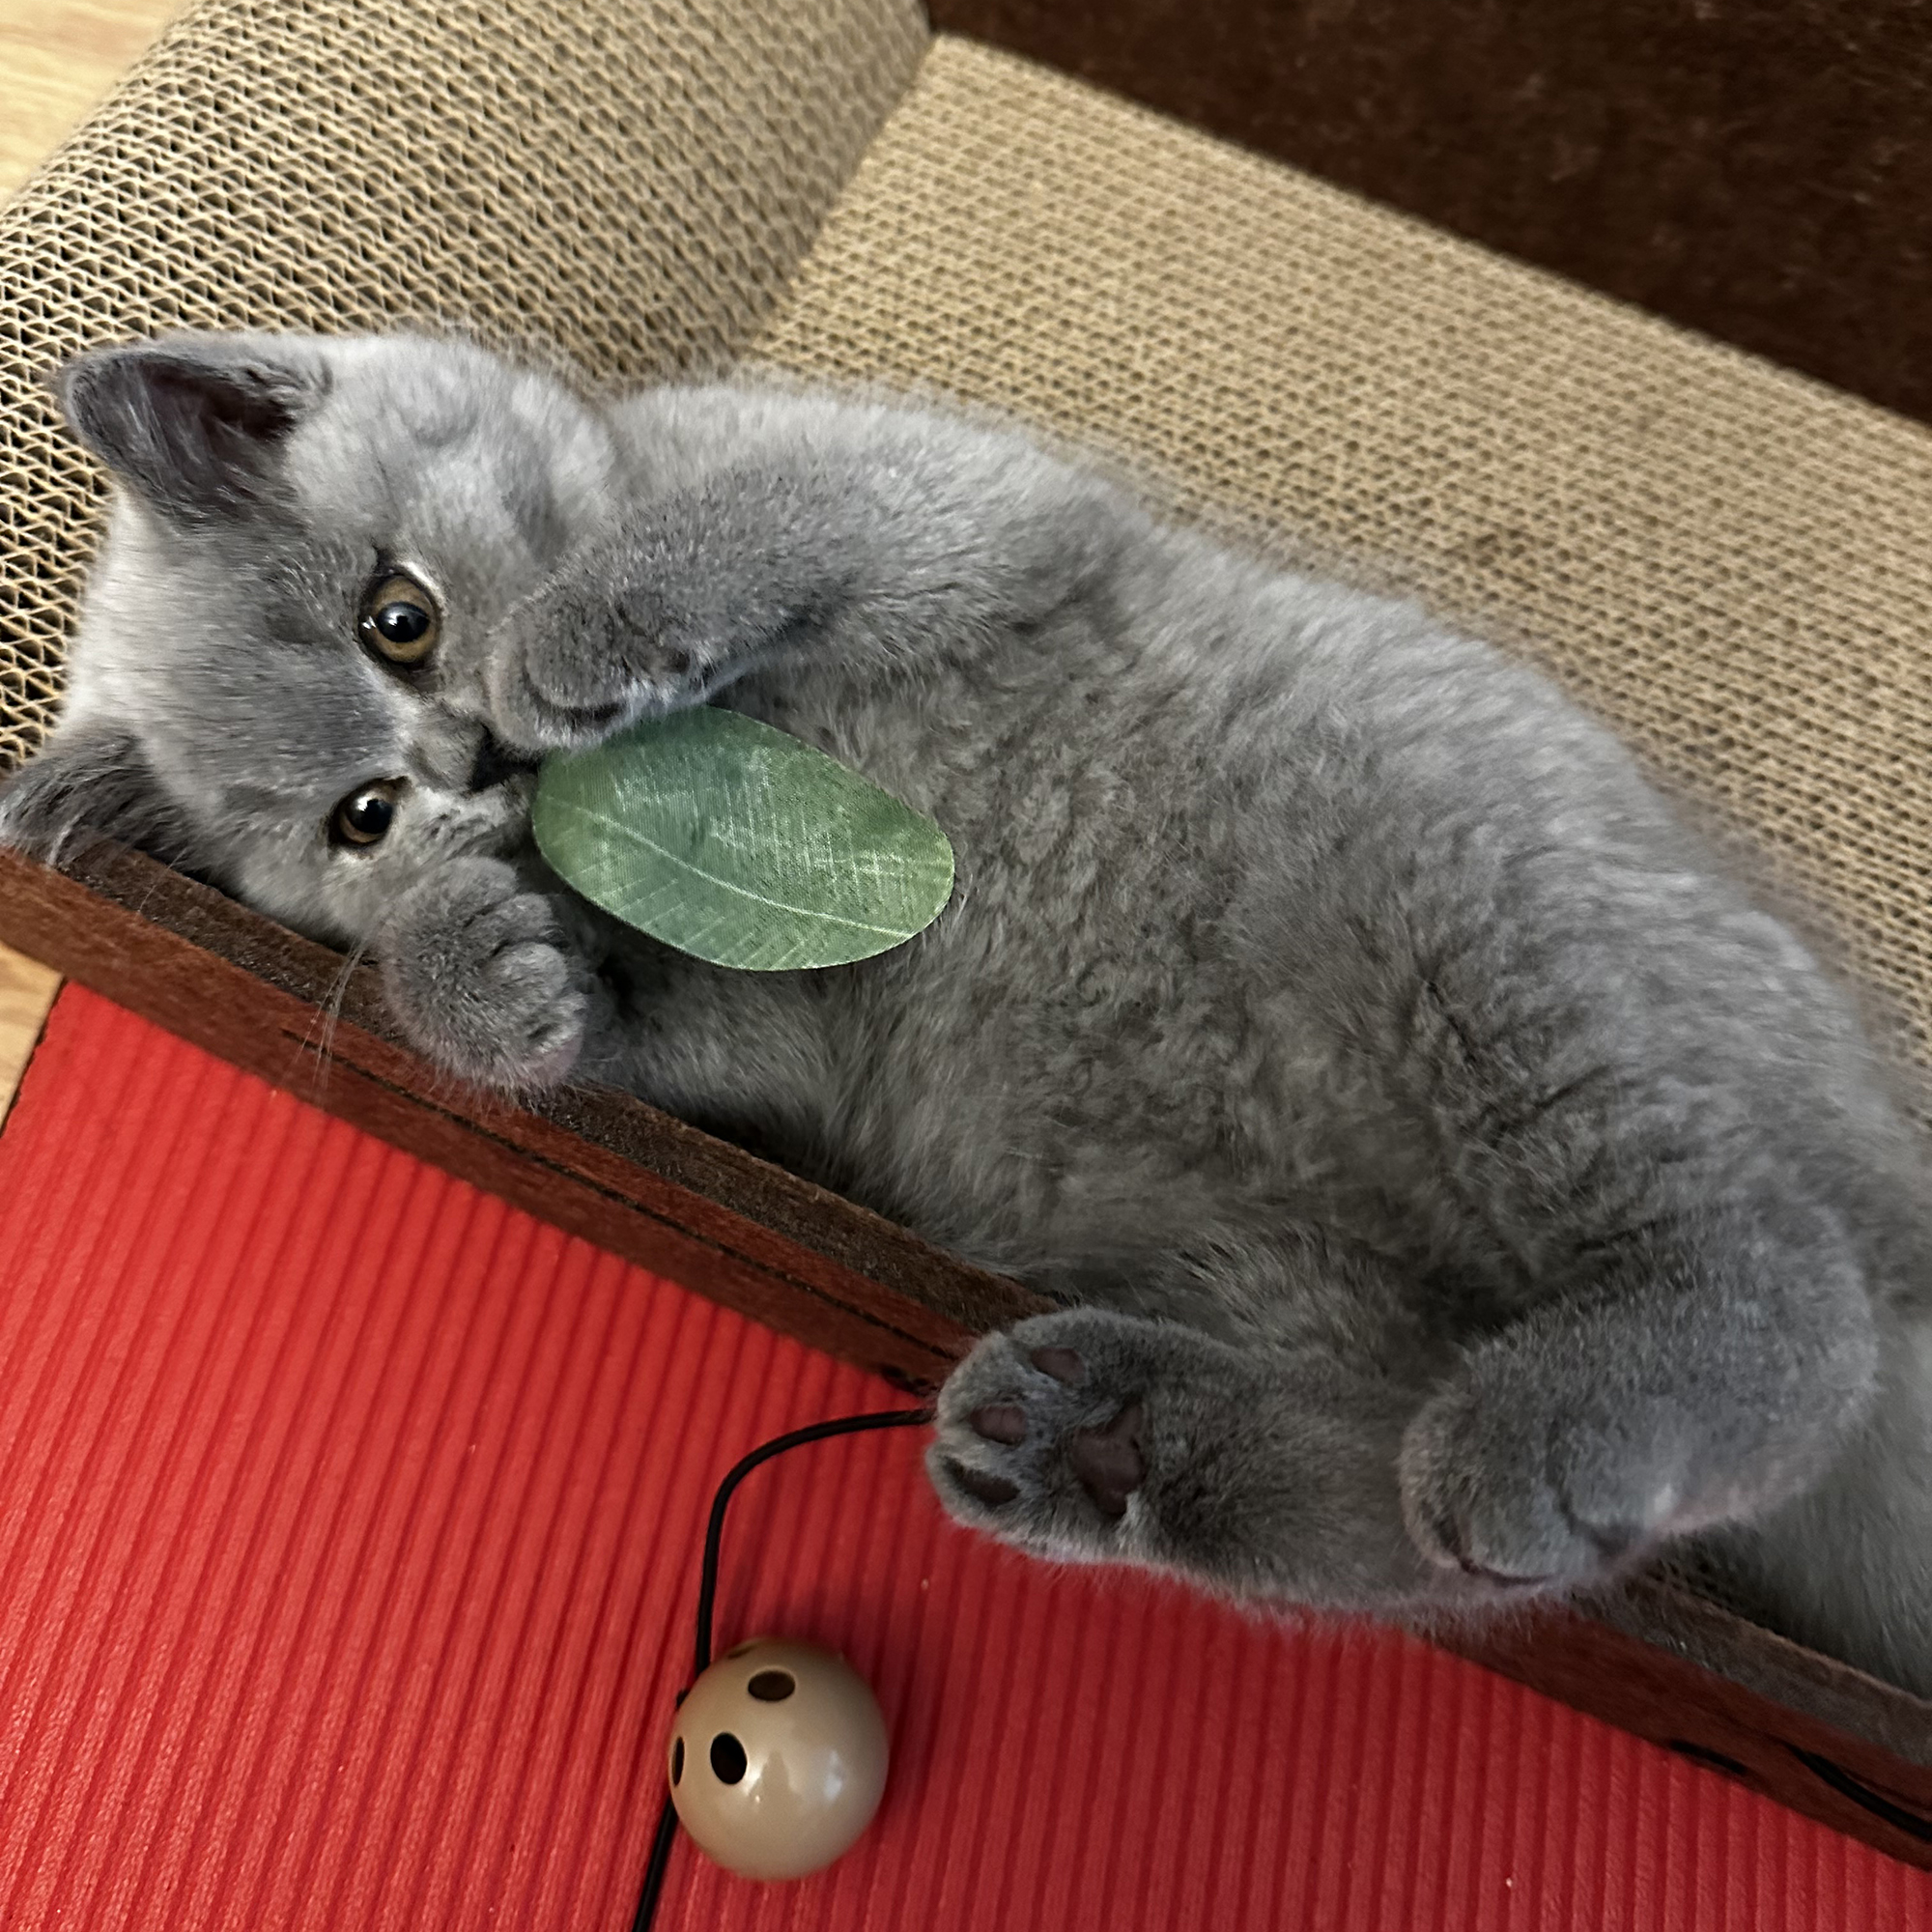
column 1460, row 1189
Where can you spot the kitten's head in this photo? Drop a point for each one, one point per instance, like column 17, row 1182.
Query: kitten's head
column 276, row 678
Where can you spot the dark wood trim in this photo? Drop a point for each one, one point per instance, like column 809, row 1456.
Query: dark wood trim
column 1760, row 170
column 1667, row 1665
column 1847, row 1779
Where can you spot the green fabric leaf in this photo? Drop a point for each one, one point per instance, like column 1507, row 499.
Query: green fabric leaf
column 735, row 842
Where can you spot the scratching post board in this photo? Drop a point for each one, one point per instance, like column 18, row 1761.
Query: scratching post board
column 1722, row 561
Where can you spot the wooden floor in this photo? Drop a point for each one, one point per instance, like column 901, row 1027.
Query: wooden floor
column 26, row 991
column 57, row 59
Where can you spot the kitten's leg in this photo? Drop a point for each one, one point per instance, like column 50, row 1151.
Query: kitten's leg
column 1554, row 1452
column 876, row 539
column 1091, row 1436
column 1847, row 1566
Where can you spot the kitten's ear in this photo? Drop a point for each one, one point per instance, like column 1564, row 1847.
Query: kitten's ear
column 88, row 782
column 195, row 423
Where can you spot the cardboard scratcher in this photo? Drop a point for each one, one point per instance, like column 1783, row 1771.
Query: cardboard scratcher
column 1723, row 562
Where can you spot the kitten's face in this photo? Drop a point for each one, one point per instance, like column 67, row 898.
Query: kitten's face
column 282, row 638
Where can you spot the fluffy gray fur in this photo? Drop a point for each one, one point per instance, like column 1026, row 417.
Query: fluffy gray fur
column 1460, row 1189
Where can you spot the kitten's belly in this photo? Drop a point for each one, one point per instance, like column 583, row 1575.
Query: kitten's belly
column 1082, row 1061
column 1060, row 1077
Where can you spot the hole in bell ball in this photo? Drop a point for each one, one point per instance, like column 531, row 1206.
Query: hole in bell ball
column 727, row 1758
column 676, row 1759
column 772, row 1686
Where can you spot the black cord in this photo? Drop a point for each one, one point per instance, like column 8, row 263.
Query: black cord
column 797, row 1438
column 665, row 1834
column 661, row 1841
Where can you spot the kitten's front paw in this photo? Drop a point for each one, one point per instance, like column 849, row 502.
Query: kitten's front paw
column 592, row 650
column 1044, row 1433
column 477, row 972
column 1512, row 1478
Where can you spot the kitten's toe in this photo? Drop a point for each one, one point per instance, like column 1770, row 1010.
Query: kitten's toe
column 1037, row 1447
column 995, row 1491
column 1108, row 1461
column 1005, row 1423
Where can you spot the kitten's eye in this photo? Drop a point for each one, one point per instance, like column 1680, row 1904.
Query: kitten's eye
column 364, row 818
column 399, row 620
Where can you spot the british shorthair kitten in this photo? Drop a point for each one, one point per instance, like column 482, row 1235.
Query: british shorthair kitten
column 1457, row 1188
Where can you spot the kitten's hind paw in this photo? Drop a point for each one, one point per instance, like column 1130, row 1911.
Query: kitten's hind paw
column 1508, row 1477
column 1043, row 1436
column 1091, row 1436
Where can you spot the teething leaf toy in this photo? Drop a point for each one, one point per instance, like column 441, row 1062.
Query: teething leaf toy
column 738, row 843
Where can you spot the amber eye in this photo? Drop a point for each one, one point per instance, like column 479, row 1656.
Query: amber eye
column 399, row 620
column 364, row 818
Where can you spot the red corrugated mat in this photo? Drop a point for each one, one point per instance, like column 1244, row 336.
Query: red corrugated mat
column 348, row 1549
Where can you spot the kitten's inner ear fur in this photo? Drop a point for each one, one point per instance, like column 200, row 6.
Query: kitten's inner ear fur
column 196, row 424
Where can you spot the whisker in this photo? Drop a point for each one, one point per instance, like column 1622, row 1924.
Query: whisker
column 330, row 1012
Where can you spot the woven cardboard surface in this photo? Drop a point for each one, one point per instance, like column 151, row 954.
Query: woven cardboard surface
column 1731, row 565
column 625, row 182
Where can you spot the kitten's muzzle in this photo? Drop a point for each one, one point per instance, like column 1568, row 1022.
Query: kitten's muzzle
column 497, row 764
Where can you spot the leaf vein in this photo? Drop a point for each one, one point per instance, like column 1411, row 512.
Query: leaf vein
column 624, row 830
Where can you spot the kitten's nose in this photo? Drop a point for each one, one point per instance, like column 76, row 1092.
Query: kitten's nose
column 496, row 762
